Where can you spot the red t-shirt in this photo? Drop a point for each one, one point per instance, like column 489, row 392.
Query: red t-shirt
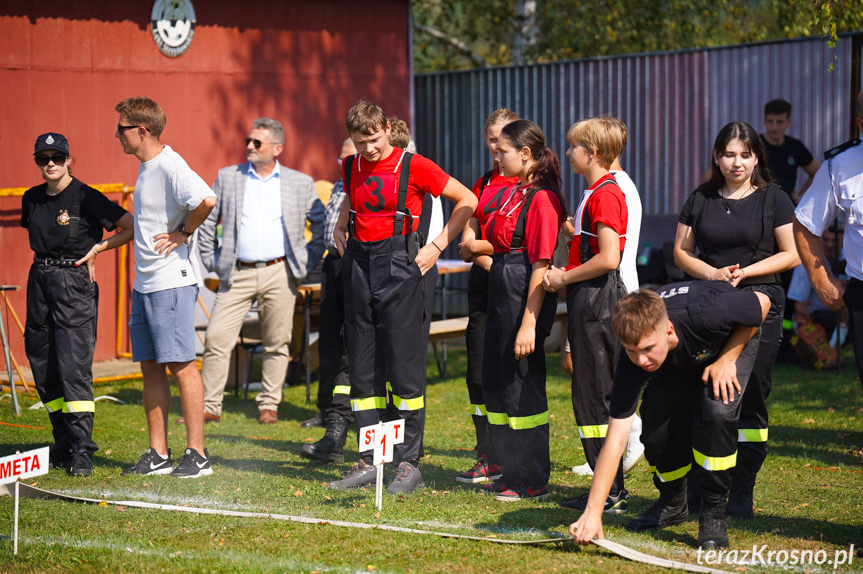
column 607, row 206
column 374, row 192
column 540, row 227
column 493, row 196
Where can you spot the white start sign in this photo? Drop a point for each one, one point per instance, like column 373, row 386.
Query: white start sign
column 381, row 437
column 23, row 465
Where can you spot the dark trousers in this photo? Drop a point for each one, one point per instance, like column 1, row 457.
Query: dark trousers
column 753, row 422
column 334, row 385
column 60, row 339
column 594, row 348
column 477, row 302
column 514, row 389
column 686, row 429
column 854, row 301
column 385, row 299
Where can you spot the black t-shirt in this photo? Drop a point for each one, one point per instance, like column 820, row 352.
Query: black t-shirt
column 722, row 308
column 47, row 219
column 783, row 161
column 725, row 238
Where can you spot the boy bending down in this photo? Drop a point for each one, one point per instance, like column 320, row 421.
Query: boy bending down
column 690, row 346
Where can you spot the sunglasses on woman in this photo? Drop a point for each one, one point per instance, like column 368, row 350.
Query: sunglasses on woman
column 57, row 158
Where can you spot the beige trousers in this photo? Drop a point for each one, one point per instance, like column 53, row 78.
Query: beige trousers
column 275, row 291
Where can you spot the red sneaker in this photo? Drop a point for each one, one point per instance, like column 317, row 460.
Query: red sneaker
column 523, row 492
column 482, row 471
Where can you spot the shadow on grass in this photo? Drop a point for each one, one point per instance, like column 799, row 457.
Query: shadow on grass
column 806, row 442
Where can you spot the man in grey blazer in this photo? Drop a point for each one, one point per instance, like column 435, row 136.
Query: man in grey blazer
column 263, row 207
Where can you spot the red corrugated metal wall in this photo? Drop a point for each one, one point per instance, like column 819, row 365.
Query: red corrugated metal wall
column 65, row 65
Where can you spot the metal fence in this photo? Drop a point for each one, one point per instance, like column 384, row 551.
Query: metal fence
column 673, row 104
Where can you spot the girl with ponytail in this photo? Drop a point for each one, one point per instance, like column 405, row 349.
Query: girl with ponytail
column 522, row 233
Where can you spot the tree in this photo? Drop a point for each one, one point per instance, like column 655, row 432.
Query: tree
column 470, row 33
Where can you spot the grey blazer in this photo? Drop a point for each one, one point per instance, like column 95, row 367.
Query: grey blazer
column 300, row 202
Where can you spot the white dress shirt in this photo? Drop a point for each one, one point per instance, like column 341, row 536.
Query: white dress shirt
column 262, row 231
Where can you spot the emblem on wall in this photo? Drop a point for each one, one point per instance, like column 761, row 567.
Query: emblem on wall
column 172, row 23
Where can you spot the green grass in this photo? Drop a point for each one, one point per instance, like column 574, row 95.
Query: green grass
column 808, row 495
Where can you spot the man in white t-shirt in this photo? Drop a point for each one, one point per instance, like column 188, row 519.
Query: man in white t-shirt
column 171, row 201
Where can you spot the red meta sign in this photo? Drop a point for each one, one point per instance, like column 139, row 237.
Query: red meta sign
column 23, row 465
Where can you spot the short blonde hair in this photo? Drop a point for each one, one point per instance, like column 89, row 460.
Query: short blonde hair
column 144, row 112
column 602, row 135
column 638, row 315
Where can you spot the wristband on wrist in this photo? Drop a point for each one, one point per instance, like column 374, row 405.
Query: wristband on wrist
column 438, row 248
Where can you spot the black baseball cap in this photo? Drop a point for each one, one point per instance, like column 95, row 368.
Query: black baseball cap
column 53, row 141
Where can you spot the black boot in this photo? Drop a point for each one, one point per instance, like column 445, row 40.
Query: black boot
column 331, row 447
column 693, row 495
column 740, row 498
column 712, row 530
column 749, row 461
column 669, row 509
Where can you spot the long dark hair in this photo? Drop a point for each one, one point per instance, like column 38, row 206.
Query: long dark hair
column 761, row 176
column 545, row 173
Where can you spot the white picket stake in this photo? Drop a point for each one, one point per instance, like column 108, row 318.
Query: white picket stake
column 381, row 437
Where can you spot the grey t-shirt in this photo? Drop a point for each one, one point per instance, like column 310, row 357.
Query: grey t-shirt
column 166, row 190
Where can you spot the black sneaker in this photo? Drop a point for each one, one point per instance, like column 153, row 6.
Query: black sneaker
column 613, row 504
column 495, row 486
column 360, row 475
column 151, row 462
column 82, row 464
column 193, row 465
column 408, row 479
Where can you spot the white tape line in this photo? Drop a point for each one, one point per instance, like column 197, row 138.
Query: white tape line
column 636, row 556
column 109, row 398
column 613, row 547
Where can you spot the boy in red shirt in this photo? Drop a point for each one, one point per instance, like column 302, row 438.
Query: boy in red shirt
column 593, row 288
column 384, row 260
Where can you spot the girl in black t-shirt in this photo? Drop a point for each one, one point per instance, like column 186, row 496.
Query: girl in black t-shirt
column 65, row 219
column 741, row 225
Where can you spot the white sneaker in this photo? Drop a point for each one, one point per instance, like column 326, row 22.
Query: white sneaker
column 634, row 447
column 582, row 470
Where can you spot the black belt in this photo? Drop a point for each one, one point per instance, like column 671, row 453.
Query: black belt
column 55, row 262
column 258, row 264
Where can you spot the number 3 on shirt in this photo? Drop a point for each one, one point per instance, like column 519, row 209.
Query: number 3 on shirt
column 375, row 185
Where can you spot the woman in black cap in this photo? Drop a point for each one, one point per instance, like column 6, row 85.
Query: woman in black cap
column 65, row 219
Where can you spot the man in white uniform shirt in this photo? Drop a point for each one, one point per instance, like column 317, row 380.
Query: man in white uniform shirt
column 263, row 207
column 836, row 191
column 171, row 201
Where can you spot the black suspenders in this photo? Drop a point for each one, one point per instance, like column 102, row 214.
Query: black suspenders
column 404, row 175
column 518, row 233
column 586, row 254
column 401, row 199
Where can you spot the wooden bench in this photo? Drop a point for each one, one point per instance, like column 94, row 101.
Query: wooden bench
column 455, row 328
column 447, row 329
